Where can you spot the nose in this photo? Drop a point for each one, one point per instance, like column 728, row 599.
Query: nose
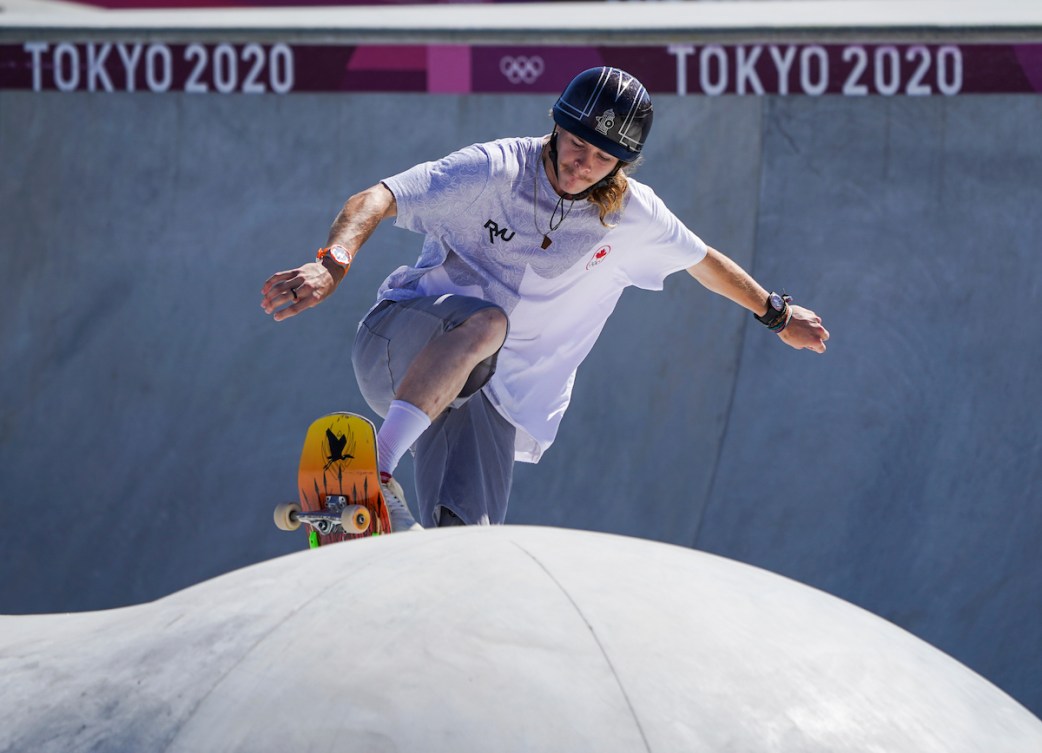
column 584, row 162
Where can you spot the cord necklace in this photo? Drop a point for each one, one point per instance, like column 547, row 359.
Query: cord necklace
column 558, row 209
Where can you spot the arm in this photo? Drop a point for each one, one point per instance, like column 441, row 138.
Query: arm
column 286, row 294
column 723, row 276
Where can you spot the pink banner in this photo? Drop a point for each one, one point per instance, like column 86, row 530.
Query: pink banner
column 684, row 69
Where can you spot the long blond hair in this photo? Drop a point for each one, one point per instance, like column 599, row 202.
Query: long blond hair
column 609, row 198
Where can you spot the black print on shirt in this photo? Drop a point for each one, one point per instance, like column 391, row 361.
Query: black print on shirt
column 494, row 230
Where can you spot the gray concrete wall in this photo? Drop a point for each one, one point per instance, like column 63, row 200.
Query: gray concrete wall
column 151, row 415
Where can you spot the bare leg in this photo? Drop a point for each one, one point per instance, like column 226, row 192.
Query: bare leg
column 438, row 373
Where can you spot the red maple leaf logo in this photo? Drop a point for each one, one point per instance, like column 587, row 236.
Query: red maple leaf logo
column 599, row 256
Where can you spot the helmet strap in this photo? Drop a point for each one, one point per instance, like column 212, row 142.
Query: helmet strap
column 553, row 154
column 599, row 184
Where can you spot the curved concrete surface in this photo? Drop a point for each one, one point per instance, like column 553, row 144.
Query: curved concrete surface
column 507, row 639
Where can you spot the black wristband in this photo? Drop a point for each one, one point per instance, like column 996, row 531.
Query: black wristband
column 776, row 318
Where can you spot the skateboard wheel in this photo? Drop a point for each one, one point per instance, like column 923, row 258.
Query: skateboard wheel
column 286, row 516
column 355, row 519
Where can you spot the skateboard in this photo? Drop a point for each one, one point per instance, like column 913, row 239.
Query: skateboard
column 339, row 485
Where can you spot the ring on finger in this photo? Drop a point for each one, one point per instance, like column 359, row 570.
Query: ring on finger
column 293, row 292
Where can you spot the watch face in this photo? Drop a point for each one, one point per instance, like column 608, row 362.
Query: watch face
column 776, row 302
column 340, row 255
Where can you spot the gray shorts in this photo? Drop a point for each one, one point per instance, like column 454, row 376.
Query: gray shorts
column 465, row 460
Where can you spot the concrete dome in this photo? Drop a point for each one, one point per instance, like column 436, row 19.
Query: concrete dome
column 506, row 639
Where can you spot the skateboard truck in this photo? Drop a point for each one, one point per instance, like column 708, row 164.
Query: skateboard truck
column 338, row 483
column 338, row 517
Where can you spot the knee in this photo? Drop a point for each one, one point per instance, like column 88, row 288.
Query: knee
column 489, row 328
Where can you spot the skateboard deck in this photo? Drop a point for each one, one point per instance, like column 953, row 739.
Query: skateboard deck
column 338, row 483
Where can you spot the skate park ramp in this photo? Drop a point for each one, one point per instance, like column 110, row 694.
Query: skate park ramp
column 511, row 638
column 152, row 416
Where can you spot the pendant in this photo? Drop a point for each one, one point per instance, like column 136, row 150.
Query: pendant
column 546, row 242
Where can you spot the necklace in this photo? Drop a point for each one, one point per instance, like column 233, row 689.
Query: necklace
column 558, row 208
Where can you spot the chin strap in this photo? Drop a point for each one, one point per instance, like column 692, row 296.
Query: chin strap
column 553, row 154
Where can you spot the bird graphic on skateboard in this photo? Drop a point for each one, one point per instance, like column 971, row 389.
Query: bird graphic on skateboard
column 338, row 483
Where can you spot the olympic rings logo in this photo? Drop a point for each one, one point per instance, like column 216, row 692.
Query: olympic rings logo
column 521, row 69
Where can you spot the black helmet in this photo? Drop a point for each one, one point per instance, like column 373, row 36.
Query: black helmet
column 609, row 108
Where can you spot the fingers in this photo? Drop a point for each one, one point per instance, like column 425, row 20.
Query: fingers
column 277, row 278
column 285, row 313
column 286, row 294
column 818, row 334
column 823, row 334
column 814, row 338
column 805, row 332
column 283, row 295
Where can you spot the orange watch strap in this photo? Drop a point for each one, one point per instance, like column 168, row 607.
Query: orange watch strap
column 327, row 251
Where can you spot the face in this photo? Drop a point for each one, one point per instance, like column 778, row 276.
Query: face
column 580, row 164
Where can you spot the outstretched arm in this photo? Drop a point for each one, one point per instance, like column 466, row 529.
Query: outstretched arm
column 723, row 276
column 286, row 294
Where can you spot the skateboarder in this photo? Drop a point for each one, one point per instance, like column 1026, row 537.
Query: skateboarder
column 469, row 355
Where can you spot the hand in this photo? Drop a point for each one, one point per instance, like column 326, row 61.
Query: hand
column 804, row 330
column 286, row 294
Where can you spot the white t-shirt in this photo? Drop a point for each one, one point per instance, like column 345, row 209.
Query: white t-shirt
column 484, row 211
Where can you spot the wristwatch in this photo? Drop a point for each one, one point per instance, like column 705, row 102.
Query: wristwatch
column 339, row 254
column 777, row 305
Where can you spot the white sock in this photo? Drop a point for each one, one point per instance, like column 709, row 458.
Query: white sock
column 401, row 428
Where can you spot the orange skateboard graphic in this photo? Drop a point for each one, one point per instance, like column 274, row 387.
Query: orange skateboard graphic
column 338, row 482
